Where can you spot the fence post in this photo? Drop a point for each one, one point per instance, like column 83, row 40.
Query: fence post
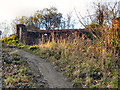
column 42, row 38
column 53, row 37
column 20, row 34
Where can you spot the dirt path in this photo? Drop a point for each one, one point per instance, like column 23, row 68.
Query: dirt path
column 55, row 79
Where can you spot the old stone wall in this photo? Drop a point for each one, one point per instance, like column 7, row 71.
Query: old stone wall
column 31, row 37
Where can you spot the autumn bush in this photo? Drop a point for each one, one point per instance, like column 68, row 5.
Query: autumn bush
column 10, row 40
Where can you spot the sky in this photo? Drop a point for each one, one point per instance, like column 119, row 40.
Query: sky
column 10, row 9
column 14, row 8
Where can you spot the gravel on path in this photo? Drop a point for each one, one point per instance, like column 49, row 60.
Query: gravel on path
column 17, row 73
column 54, row 78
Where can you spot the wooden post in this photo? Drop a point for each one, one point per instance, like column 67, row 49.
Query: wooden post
column 42, row 38
column 49, row 36
column 53, row 37
column 20, row 34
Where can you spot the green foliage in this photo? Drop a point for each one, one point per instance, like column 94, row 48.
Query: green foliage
column 33, row 47
column 10, row 40
column 21, row 46
column 48, row 18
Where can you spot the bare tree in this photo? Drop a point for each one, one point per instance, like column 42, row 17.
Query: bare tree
column 69, row 16
column 4, row 28
column 104, row 13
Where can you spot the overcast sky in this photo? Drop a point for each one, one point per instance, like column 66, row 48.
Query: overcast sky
column 13, row 8
column 10, row 9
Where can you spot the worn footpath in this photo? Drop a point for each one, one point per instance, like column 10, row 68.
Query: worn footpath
column 17, row 73
column 54, row 78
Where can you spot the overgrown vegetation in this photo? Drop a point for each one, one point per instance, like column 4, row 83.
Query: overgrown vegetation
column 86, row 63
column 18, row 74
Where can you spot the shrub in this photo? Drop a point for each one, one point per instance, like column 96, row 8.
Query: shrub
column 10, row 40
column 33, row 47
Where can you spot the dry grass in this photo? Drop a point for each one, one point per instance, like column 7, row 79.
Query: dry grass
column 87, row 63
